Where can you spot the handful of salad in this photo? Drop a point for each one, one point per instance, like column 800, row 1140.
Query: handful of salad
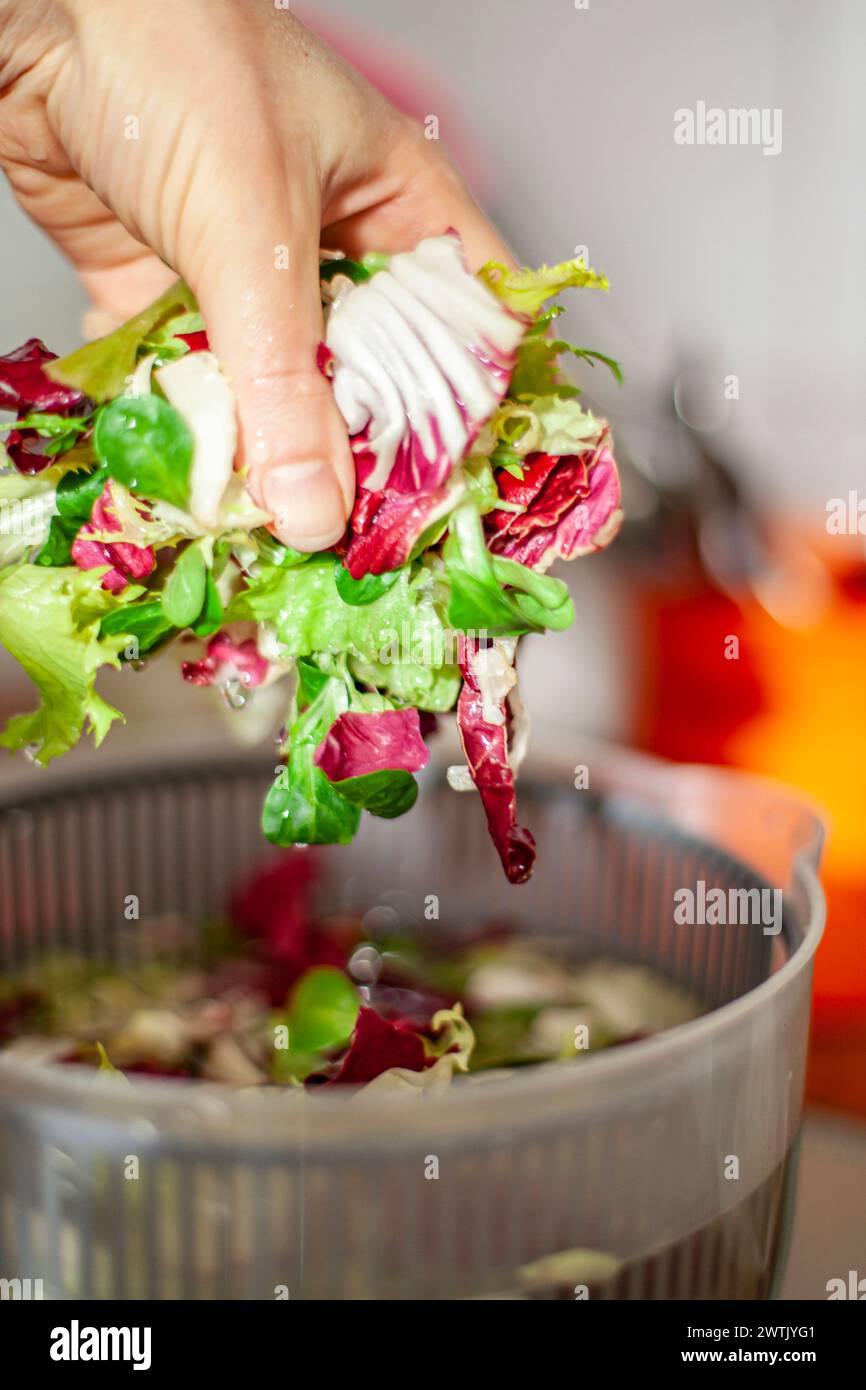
column 124, row 525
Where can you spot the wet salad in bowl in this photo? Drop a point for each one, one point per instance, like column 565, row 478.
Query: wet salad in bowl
column 126, row 526
column 276, row 996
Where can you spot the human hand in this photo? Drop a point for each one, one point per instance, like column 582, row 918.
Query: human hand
column 221, row 141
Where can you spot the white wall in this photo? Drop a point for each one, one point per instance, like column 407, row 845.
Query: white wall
column 759, row 259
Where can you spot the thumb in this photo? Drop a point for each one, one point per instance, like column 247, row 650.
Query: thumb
column 263, row 313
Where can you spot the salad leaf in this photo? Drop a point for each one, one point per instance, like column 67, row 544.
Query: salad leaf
column 228, row 661
column 50, row 623
column 433, row 688
column 202, row 397
column 377, row 1045
column 100, row 368
column 78, row 490
column 387, row 794
column 301, row 806
column 389, row 528
column 420, row 356
column 544, row 600
column 25, row 384
column 535, row 373
column 479, row 604
column 355, row 270
column 357, row 744
column 146, row 445
column 27, row 505
column 486, row 747
column 143, row 625
column 56, row 549
column 570, row 506
column 323, row 1011
column 453, row 1036
column 106, row 1064
column 591, row 356
column 367, row 589
column 309, row 616
column 212, row 614
column 524, row 291
column 61, row 431
column 369, row 758
column 184, row 595
column 274, row 553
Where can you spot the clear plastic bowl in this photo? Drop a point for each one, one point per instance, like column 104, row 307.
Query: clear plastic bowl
column 620, row 1164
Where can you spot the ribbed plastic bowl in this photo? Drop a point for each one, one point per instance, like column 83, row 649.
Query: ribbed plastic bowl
column 173, row 1190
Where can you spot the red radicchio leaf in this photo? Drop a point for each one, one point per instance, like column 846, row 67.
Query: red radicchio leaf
column 225, row 659
column 571, row 507
column 196, row 342
column 378, row 1045
column 413, row 470
column 486, row 749
column 357, row 744
column 428, row 724
column 420, row 356
column 24, row 385
column 26, row 450
column 127, row 561
column 386, row 525
column 275, row 909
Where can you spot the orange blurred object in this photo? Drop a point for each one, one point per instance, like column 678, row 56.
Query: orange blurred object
column 775, row 683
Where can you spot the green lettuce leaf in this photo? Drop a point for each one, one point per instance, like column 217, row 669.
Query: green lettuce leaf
column 76, row 493
column 142, row 626
column 323, row 1010
column 432, row 688
column 536, row 372
column 56, row 549
column 50, row 623
column 367, row 589
column 309, row 616
column 211, row 617
column 183, row 597
column 526, row 290
column 100, row 369
column 301, row 806
column 545, row 424
column 388, row 793
column 26, row 507
column 147, row 446
column 500, row 598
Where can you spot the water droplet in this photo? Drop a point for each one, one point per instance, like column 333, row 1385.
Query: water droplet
column 233, row 693
column 366, row 965
column 137, row 664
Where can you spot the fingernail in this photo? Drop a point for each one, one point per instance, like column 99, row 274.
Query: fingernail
column 306, row 504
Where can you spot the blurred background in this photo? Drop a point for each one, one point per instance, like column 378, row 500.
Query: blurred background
column 737, row 284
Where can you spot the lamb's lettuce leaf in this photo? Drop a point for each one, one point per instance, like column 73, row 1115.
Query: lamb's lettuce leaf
column 301, row 806
column 147, row 446
column 503, row 602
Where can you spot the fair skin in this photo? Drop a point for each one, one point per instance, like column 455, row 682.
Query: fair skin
column 197, row 139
